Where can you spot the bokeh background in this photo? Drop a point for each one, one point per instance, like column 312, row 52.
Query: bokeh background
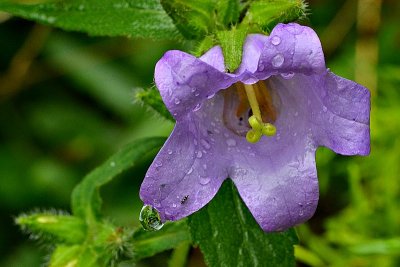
column 67, row 103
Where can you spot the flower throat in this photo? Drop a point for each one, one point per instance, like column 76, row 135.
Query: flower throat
column 254, row 103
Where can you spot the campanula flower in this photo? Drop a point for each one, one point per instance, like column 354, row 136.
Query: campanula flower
column 259, row 126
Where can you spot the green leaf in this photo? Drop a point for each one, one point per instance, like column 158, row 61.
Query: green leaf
column 228, row 235
column 152, row 98
column 86, row 201
column 194, row 19
column 146, row 244
column 65, row 256
column 232, row 47
column 228, row 12
column 265, row 14
column 134, row 18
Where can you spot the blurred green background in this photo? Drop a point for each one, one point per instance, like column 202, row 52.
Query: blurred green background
column 67, row 103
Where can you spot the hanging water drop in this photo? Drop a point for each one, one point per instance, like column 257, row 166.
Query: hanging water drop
column 288, row 75
column 197, row 107
column 177, row 101
column 278, row 60
column 150, row 218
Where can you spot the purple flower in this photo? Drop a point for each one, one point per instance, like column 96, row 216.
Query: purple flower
column 218, row 133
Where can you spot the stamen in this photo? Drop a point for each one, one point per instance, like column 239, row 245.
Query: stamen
column 251, row 96
column 253, row 136
column 259, row 128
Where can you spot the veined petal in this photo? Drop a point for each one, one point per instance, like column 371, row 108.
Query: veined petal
column 343, row 123
column 185, row 81
column 279, row 195
column 291, row 48
column 182, row 178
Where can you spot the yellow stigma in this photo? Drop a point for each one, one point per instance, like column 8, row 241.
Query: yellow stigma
column 259, row 128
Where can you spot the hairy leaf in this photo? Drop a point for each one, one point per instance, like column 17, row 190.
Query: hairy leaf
column 134, row 18
column 228, row 235
column 194, row 19
column 152, row 98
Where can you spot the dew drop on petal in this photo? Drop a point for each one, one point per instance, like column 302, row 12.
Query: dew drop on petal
column 205, row 166
column 177, row 101
column 150, row 218
column 197, row 107
column 288, row 75
column 199, row 154
column 205, row 144
column 204, row 180
column 197, row 94
column 210, row 96
column 278, row 60
column 189, row 171
column 231, row 142
column 261, row 67
column 275, row 40
column 169, row 152
column 325, row 109
column 296, row 114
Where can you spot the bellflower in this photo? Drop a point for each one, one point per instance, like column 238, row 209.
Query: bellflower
column 259, row 126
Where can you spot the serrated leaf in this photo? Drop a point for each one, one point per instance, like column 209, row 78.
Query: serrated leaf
column 151, row 97
column 194, row 19
column 146, row 244
column 232, row 47
column 86, row 201
column 134, row 18
column 228, row 235
column 265, row 14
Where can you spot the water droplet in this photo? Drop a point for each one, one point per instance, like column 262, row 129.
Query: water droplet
column 197, row 94
column 169, row 152
column 295, row 134
column 275, row 40
column 325, row 109
column 261, row 67
column 204, row 180
column 112, row 164
column 177, row 101
column 190, row 170
column 193, row 90
column 278, row 60
column 205, row 143
column 210, row 96
column 81, row 7
column 205, row 166
column 296, row 114
column 288, row 75
column 231, row 142
column 197, row 107
column 150, row 218
column 199, row 154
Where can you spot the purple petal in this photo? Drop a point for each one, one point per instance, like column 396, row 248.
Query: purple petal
column 185, row 81
column 342, row 123
column 252, row 50
column 279, row 196
column 215, row 58
column 182, row 178
column 291, row 48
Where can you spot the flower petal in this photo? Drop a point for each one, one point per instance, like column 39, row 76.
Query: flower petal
column 185, row 81
column 343, row 123
column 252, row 50
column 215, row 58
column 291, row 48
column 182, row 178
